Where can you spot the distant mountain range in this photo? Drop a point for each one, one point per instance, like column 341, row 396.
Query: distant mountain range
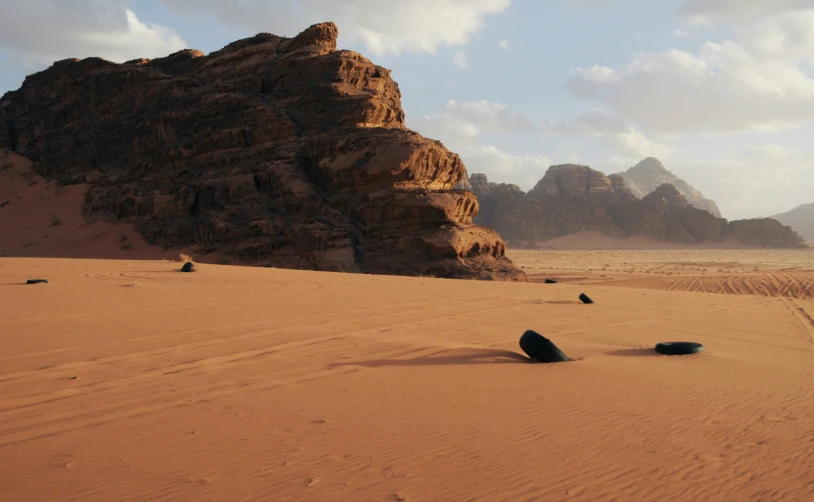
column 573, row 198
column 801, row 219
column 649, row 174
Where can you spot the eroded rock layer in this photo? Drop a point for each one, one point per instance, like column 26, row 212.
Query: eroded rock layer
column 280, row 151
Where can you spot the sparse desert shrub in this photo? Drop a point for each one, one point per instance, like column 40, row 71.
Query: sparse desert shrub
column 127, row 245
column 55, row 220
column 6, row 165
column 122, row 236
column 28, row 244
column 31, row 182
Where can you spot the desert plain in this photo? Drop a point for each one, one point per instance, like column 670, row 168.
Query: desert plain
column 128, row 380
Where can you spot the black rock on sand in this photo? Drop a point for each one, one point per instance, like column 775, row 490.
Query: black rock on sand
column 540, row 349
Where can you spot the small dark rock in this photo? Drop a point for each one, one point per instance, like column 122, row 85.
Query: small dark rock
column 550, row 281
column 584, row 298
column 540, row 349
column 36, row 281
column 188, row 267
column 4, row 203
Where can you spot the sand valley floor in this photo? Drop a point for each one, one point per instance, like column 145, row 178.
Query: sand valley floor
column 127, row 380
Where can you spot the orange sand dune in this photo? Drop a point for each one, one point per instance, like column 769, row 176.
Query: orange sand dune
column 41, row 218
column 126, row 380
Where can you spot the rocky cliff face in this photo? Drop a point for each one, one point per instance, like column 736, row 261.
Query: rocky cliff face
column 280, row 151
column 650, row 173
column 801, row 219
column 572, row 198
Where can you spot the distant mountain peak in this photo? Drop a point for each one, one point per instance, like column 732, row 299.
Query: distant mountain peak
column 650, row 173
column 801, row 219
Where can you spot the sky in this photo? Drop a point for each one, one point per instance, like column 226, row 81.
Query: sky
column 721, row 91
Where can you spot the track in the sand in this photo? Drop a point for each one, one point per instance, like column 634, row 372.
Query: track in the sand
column 798, row 285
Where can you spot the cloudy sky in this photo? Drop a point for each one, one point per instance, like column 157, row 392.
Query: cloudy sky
column 722, row 91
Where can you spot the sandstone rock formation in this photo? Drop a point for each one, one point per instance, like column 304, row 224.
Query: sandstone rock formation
column 650, row 173
column 464, row 184
column 801, row 219
column 279, row 151
column 572, row 198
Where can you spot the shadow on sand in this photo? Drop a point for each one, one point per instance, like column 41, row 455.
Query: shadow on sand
column 640, row 352
column 448, row 357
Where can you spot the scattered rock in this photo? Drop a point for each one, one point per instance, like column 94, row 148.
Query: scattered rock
column 679, row 348
column 550, row 281
column 188, row 267
column 37, row 281
column 585, row 298
column 540, row 349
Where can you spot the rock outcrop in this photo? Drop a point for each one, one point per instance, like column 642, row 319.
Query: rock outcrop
column 801, row 219
column 650, row 173
column 278, row 151
column 572, row 198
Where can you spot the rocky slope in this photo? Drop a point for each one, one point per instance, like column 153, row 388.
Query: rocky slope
column 650, row 173
column 801, row 219
column 572, row 198
column 280, row 151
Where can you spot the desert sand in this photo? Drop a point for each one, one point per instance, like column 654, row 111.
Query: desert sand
column 763, row 272
column 128, row 380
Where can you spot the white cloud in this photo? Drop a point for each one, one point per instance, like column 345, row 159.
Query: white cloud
column 678, row 32
column 383, row 27
column 458, row 126
column 712, row 11
column 459, row 59
column 746, row 183
column 80, row 28
column 489, row 116
column 503, row 45
column 759, row 81
column 614, row 133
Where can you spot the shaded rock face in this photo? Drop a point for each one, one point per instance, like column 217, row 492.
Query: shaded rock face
column 572, row 198
column 801, row 219
column 650, row 173
column 282, row 151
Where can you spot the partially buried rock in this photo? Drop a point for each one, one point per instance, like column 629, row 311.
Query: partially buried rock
column 550, row 281
column 188, row 267
column 584, row 298
column 679, row 348
column 37, row 281
column 540, row 349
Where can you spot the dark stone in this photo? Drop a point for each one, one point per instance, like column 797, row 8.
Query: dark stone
column 584, row 298
column 679, row 348
column 550, row 281
column 188, row 267
column 540, row 349
column 37, row 281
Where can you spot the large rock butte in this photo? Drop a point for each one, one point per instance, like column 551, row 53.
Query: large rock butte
column 279, row 151
column 650, row 174
column 573, row 198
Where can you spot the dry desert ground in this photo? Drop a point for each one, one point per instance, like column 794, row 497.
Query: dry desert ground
column 128, row 380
